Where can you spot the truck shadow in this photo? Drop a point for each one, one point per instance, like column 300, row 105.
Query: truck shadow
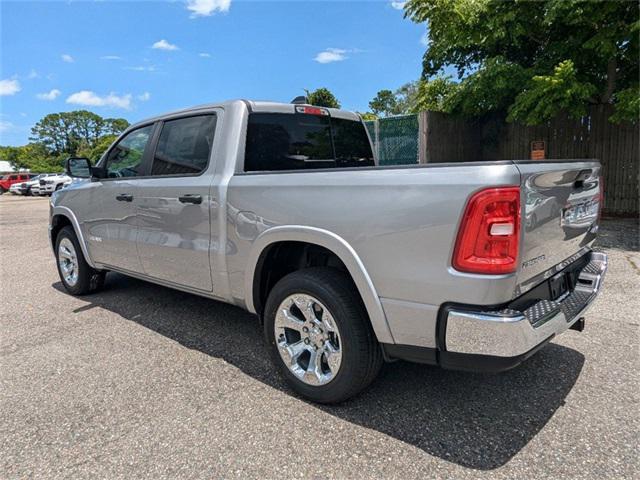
column 477, row 421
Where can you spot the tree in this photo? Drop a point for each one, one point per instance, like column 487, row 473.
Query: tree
column 94, row 153
column 322, row 97
column 384, row 103
column 368, row 116
column 58, row 136
column 436, row 94
column 33, row 157
column 67, row 132
column 401, row 102
column 407, row 97
column 530, row 60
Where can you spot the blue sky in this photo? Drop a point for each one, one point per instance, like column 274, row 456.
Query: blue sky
column 137, row 59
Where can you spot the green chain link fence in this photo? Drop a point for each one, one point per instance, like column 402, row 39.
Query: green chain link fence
column 395, row 139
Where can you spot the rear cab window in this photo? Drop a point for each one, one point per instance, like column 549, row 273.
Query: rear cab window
column 302, row 141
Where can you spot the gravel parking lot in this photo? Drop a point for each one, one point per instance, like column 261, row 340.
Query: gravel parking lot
column 142, row 381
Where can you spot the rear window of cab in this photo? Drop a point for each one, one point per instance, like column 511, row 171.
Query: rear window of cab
column 301, row 141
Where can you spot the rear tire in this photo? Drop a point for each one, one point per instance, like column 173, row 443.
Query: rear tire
column 75, row 273
column 332, row 299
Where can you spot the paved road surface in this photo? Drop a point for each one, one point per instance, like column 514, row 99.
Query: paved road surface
column 142, row 381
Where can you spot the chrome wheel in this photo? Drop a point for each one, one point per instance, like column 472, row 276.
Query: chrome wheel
column 308, row 339
column 68, row 262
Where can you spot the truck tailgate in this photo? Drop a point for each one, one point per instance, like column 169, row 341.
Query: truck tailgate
column 561, row 204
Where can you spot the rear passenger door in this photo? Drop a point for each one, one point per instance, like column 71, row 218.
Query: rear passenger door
column 173, row 213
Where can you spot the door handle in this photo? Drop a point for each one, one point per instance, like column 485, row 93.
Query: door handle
column 124, row 197
column 191, row 198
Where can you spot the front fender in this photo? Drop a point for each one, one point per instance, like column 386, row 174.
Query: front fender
column 68, row 213
column 335, row 244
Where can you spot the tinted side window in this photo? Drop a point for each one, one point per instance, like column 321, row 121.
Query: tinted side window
column 125, row 158
column 184, row 146
column 281, row 141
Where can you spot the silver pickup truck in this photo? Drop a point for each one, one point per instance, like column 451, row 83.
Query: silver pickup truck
column 283, row 210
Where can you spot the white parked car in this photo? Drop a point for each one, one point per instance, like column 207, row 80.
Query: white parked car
column 35, row 187
column 51, row 183
column 16, row 188
column 27, row 188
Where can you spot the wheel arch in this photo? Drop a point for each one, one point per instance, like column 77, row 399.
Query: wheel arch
column 335, row 245
column 61, row 217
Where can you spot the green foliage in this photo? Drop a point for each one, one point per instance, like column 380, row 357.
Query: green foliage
column 58, row 136
column 548, row 94
column 508, row 54
column 322, row 97
column 384, row 103
column 436, row 95
column 401, row 102
column 94, row 153
column 67, row 132
column 368, row 116
column 33, row 157
column 628, row 102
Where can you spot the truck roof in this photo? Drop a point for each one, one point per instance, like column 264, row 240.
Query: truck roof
column 253, row 105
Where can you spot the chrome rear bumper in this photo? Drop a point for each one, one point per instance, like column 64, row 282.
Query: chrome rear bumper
column 515, row 334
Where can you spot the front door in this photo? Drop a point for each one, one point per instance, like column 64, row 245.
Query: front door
column 111, row 225
column 174, row 203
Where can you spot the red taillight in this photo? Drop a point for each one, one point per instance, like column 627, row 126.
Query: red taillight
column 489, row 234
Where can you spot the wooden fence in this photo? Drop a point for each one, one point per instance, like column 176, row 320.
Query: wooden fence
column 444, row 138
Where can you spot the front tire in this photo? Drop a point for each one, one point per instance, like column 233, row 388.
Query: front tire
column 319, row 335
column 75, row 273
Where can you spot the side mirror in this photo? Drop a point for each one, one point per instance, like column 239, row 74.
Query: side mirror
column 78, row 167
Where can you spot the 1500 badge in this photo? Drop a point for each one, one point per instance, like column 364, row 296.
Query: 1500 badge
column 533, row 261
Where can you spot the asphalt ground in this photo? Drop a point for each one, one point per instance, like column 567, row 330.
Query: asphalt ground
column 140, row 381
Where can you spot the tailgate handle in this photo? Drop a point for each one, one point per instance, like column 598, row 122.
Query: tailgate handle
column 581, row 177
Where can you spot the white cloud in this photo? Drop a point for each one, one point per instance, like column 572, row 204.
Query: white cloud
column 398, row 5
column 164, row 45
column 67, row 58
column 144, row 97
column 205, row 8
column 142, row 68
column 331, row 55
column 424, row 39
column 110, row 57
column 204, row 54
column 5, row 126
column 91, row 99
column 9, row 86
column 52, row 95
column 32, row 74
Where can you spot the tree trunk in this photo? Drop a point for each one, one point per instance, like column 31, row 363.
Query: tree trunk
column 612, row 71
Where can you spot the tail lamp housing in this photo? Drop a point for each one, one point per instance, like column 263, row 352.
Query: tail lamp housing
column 489, row 235
column 600, row 196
